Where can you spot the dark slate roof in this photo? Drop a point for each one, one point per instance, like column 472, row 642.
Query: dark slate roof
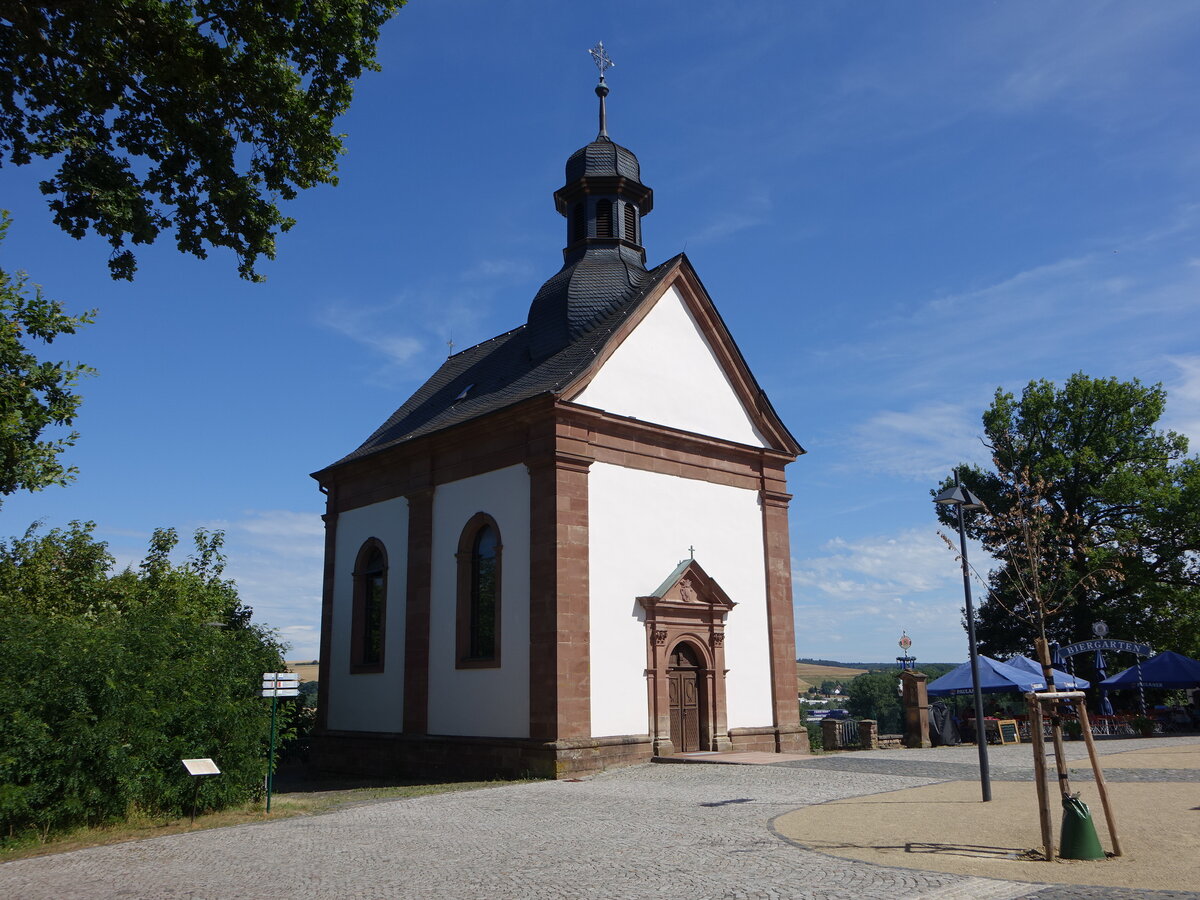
column 603, row 157
column 500, row 373
column 580, row 294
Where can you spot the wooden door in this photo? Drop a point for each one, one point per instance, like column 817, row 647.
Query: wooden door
column 683, row 684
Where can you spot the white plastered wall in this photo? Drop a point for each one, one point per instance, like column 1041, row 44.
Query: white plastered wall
column 369, row 701
column 640, row 526
column 483, row 702
column 665, row 372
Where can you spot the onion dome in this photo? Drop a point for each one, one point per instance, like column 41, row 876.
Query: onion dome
column 603, row 201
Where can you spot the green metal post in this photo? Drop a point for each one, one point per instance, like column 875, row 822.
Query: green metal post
column 271, row 756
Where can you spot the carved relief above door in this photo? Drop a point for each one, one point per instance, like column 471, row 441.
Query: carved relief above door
column 685, row 662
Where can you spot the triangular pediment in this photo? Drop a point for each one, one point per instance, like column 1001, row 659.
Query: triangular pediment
column 673, row 362
column 687, row 588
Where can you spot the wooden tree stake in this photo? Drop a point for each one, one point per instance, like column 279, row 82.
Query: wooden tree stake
column 1101, row 785
column 1039, row 774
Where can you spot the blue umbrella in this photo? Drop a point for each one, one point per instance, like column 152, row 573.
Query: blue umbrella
column 1064, row 681
column 1106, row 708
column 1167, row 670
column 994, row 677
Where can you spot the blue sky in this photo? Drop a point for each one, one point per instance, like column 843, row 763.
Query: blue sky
column 897, row 208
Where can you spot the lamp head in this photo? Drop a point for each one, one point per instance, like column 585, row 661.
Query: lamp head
column 958, row 496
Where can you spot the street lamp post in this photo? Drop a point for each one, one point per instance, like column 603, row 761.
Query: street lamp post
column 961, row 498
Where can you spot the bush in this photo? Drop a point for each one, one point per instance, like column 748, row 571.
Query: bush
column 815, row 739
column 111, row 680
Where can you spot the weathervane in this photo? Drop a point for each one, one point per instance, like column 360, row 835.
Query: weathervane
column 905, row 642
column 601, row 59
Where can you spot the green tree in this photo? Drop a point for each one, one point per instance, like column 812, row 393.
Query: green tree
column 34, row 395
column 196, row 116
column 112, row 679
column 874, row 695
column 1093, row 513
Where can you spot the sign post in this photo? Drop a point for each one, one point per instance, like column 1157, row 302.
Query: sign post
column 197, row 767
column 276, row 685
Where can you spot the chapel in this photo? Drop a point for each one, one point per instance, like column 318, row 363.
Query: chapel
column 568, row 550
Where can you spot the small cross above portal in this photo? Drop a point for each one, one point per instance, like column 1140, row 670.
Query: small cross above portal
column 692, row 552
column 601, row 59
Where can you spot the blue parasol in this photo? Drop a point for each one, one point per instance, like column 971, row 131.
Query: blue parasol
column 994, row 677
column 1064, row 681
column 1167, row 670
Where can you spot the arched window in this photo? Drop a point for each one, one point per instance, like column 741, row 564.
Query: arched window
column 604, row 218
column 631, row 223
column 478, row 627
column 369, row 615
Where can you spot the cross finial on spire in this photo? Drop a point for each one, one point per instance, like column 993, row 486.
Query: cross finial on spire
column 602, row 63
column 601, row 58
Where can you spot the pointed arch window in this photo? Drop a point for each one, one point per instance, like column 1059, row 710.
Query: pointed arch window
column 604, row 218
column 631, row 223
column 479, row 568
column 368, row 618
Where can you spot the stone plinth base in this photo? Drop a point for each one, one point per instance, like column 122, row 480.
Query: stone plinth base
column 384, row 755
column 769, row 740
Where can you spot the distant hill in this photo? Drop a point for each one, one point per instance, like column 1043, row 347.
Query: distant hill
column 810, row 672
column 866, row 666
column 834, row 664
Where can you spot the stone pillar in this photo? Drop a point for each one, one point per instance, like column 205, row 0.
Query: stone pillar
column 829, row 734
column 916, row 709
column 868, row 734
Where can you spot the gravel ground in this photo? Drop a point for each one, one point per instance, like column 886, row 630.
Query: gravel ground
column 648, row 831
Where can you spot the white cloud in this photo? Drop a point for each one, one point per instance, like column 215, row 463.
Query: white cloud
column 752, row 210
column 363, row 324
column 1183, row 399
column 410, row 333
column 276, row 557
column 877, row 568
column 864, row 593
column 922, row 443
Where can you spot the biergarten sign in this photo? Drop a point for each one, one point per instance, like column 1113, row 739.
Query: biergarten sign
column 1105, row 644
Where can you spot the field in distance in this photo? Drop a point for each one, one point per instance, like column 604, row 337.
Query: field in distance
column 306, row 670
column 810, row 674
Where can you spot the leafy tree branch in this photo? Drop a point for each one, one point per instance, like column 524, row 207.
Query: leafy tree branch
column 34, row 394
column 190, row 116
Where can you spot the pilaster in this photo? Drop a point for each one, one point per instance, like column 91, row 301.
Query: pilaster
column 327, row 581
column 417, row 601
column 559, row 620
column 789, row 736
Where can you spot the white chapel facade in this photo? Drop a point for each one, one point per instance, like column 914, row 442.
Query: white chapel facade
column 510, row 581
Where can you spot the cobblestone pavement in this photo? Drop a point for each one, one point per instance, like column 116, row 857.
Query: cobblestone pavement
column 644, row 832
